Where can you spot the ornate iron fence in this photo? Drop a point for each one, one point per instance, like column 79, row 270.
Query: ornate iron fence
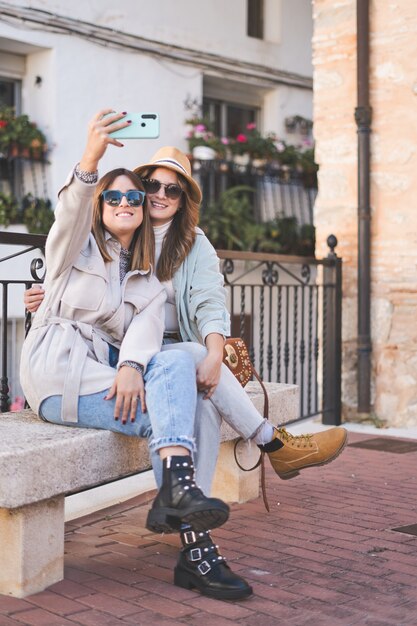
column 288, row 310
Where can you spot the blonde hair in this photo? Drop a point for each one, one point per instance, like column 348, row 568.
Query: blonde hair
column 181, row 234
column 143, row 243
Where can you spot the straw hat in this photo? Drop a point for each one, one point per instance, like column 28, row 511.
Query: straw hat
column 175, row 160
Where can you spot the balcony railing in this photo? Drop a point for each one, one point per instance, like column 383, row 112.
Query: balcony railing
column 279, row 192
column 288, row 310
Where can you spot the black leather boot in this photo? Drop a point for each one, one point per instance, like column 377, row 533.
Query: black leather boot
column 201, row 566
column 180, row 501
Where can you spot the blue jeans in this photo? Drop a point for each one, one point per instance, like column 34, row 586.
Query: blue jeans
column 171, row 398
column 229, row 402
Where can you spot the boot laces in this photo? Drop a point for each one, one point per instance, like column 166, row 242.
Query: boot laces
column 304, row 439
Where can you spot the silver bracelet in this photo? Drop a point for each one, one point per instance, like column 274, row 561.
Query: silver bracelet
column 86, row 177
column 136, row 366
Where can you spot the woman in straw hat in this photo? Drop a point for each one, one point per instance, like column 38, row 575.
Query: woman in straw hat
column 196, row 321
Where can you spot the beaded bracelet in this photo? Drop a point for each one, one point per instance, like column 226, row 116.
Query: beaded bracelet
column 136, row 366
column 86, row 177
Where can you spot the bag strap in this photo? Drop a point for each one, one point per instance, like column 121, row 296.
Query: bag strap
column 261, row 460
column 266, row 400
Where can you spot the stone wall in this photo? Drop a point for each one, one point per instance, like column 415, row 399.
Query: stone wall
column 393, row 91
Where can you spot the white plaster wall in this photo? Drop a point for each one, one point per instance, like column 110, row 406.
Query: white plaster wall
column 80, row 77
column 215, row 26
column 77, row 81
column 297, row 34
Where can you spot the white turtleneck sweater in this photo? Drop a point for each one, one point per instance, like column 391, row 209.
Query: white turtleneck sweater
column 171, row 319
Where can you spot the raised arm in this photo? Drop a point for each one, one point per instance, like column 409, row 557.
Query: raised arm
column 73, row 213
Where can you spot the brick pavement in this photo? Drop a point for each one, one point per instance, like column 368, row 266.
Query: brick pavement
column 326, row 555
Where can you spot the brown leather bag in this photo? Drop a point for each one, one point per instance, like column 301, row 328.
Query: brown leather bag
column 236, row 358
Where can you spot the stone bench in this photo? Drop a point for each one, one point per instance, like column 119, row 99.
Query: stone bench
column 42, row 463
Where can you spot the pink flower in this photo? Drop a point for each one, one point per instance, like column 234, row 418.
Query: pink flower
column 225, row 141
column 279, row 146
column 251, row 126
column 18, row 404
column 241, row 138
column 200, row 128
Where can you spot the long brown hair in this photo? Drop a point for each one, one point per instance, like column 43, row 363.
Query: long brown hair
column 143, row 242
column 181, row 234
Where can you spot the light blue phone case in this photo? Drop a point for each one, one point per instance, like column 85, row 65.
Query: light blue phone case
column 143, row 126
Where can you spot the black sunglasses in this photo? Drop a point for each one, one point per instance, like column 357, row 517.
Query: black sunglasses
column 113, row 197
column 152, row 185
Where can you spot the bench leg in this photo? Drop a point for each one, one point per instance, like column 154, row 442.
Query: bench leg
column 230, row 482
column 31, row 547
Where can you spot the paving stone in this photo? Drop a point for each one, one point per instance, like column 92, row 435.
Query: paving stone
column 325, row 555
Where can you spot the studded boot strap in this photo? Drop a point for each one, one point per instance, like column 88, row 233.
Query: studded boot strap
column 200, row 551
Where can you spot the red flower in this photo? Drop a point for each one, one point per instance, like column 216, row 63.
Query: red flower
column 3, row 124
column 241, row 138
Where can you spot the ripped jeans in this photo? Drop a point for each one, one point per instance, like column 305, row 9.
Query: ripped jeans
column 171, row 399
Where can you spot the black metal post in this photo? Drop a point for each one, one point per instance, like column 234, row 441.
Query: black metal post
column 332, row 337
column 363, row 117
column 4, row 383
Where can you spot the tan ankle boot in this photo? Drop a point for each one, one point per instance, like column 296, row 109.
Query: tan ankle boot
column 300, row 451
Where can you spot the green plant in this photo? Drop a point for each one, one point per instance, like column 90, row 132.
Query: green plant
column 38, row 216
column 8, row 209
column 255, row 144
column 230, row 225
column 229, row 222
column 19, row 136
column 284, row 235
column 201, row 133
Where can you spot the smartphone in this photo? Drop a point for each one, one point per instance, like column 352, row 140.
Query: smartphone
column 143, row 126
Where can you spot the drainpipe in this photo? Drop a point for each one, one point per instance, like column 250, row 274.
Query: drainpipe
column 363, row 117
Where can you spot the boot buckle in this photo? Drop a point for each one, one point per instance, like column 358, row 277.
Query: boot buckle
column 204, row 568
column 195, row 554
column 189, row 537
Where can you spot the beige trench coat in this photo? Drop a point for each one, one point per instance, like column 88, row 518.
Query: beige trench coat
column 86, row 308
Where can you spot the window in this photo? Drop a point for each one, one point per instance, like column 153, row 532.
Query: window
column 9, row 171
column 228, row 119
column 255, row 27
column 8, row 89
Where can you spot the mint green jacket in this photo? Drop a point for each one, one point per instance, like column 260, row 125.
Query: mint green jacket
column 200, row 295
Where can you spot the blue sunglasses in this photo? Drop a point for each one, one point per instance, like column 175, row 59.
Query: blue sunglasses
column 113, row 197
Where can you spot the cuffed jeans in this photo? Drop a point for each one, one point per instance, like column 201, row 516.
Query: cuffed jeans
column 229, row 402
column 171, row 398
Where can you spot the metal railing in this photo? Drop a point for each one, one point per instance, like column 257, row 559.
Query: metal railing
column 278, row 193
column 286, row 308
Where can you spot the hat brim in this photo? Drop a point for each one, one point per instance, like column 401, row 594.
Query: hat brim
column 195, row 191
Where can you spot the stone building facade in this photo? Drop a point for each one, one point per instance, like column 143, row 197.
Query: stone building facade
column 393, row 98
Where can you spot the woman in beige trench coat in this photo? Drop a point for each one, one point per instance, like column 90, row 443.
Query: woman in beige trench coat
column 92, row 357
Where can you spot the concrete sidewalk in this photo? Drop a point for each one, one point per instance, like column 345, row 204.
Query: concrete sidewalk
column 326, row 555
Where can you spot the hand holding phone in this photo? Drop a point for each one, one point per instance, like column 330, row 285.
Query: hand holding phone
column 143, row 126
